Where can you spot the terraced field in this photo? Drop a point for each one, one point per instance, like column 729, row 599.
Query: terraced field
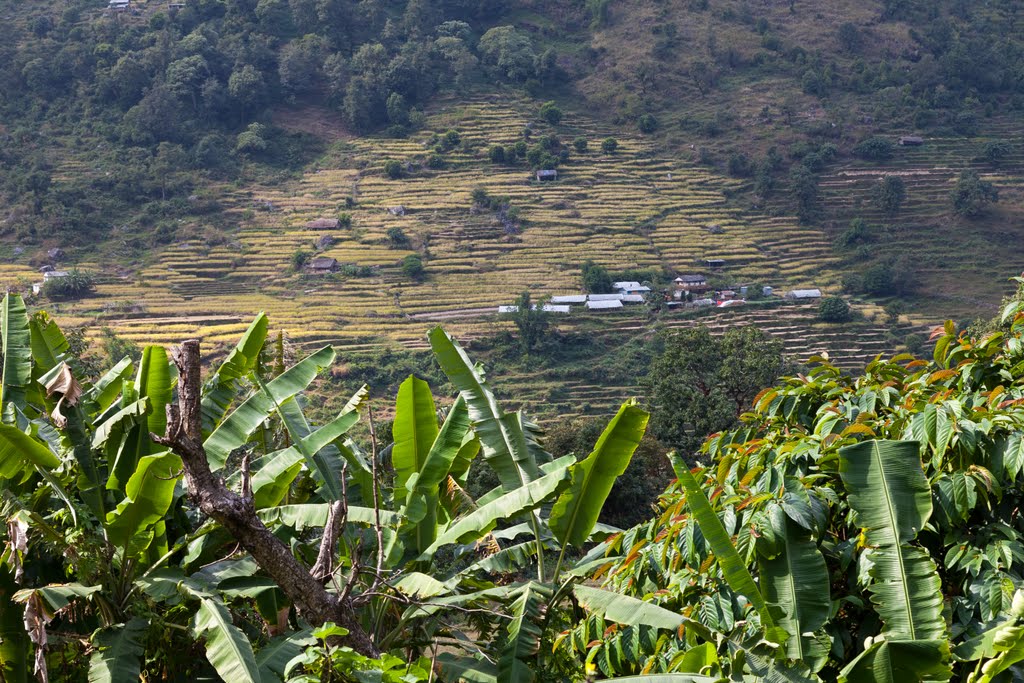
column 630, row 209
column 962, row 263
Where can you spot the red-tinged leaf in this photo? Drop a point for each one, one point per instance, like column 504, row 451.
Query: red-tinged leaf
column 940, row 375
column 936, row 332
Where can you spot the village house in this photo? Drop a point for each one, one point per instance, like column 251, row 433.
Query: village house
column 630, row 287
column 569, row 299
column 714, row 263
column 804, row 294
column 119, row 5
column 911, row 141
column 604, row 304
column 691, row 283
column 547, row 174
column 322, row 264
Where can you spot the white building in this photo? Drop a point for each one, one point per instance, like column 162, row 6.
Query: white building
column 630, row 287
column 804, row 294
column 604, row 305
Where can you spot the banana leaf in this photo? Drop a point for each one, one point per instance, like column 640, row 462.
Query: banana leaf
column 17, row 355
column 890, row 495
column 578, row 507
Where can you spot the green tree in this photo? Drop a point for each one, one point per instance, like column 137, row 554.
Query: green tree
column 647, row 123
column 532, row 323
column 889, row 194
column 596, row 278
column 74, row 285
column 700, row 384
column 397, row 239
column 804, row 186
column 247, row 88
column 497, row 154
column 509, row 51
column 971, row 195
column 833, row 309
column 393, row 169
column 609, row 145
column 185, row 78
column 412, row 267
column 550, row 112
column 875, row 148
column 580, row 144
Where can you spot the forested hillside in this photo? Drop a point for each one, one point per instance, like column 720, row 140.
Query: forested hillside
column 177, row 155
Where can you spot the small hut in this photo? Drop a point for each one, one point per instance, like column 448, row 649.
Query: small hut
column 911, row 140
column 547, row 174
column 323, row 264
column 324, row 224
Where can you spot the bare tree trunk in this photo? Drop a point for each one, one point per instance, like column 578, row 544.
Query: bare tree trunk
column 237, row 514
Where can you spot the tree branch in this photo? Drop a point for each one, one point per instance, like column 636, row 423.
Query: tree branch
column 237, row 514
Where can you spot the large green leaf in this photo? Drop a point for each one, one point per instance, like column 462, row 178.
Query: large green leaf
column 17, row 355
column 733, row 567
column 274, row 476
column 663, row 678
column 480, row 521
column 414, row 428
column 505, row 445
column 795, row 582
column 118, row 652
column 273, row 657
column 889, row 493
column 236, row 429
column 422, row 497
column 227, row 647
column 20, row 454
column 48, row 344
column 576, row 511
column 107, row 388
column 524, row 634
column 630, row 611
column 899, row 661
column 222, row 388
column 148, row 496
column 321, row 448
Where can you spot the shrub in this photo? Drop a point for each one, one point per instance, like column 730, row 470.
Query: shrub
column 396, row 238
column 345, row 219
column 550, row 112
column 299, row 258
column 874, row 148
column 452, row 139
column 739, row 165
column 497, row 154
column 972, row 195
column 393, row 169
column 412, row 266
column 833, row 309
column 890, row 193
column 74, row 285
column 647, row 123
column 435, row 161
column 580, row 145
column 996, row 151
column 609, row 145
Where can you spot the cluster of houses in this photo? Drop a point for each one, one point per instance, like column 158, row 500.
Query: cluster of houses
column 690, row 290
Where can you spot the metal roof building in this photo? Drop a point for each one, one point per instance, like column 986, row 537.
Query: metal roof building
column 569, row 299
column 604, row 304
column 804, row 294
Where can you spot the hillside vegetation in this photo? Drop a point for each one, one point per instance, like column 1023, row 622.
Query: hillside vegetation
column 177, row 155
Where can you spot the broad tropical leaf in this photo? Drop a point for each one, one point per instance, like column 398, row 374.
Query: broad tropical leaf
column 148, row 496
column 899, row 661
column 630, row 611
column 17, row 355
column 524, row 634
column 273, row 657
column 118, row 652
column 414, row 429
column 795, row 582
column 890, row 495
column 236, row 429
column 733, row 567
column 227, row 647
column 480, row 521
column 222, row 388
column 505, row 446
column 20, row 454
column 576, row 511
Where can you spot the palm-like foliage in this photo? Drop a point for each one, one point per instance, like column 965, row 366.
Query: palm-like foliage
column 874, row 517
